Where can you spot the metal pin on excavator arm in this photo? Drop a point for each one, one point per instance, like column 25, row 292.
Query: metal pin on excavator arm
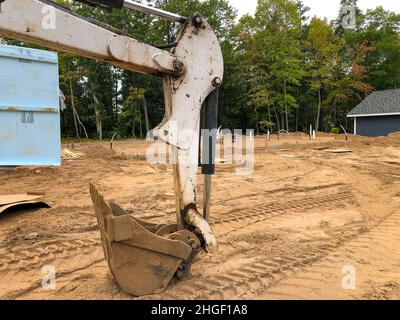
column 143, row 257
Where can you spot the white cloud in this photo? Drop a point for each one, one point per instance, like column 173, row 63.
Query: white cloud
column 244, row 6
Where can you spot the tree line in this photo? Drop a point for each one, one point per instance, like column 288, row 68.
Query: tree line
column 284, row 70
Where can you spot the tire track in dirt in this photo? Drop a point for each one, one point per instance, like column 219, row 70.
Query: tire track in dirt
column 280, row 190
column 375, row 252
column 25, row 259
column 229, row 222
column 21, row 271
column 263, row 271
column 256, row 276
column 39, row 254
column 81, row 252
column 35, row 282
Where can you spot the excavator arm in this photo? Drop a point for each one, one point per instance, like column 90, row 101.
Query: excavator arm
column 144, row 258
column 50, row 25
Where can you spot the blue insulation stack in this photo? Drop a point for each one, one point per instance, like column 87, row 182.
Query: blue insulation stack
column 29, row 107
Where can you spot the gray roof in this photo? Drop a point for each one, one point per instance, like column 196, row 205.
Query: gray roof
column 379, row 102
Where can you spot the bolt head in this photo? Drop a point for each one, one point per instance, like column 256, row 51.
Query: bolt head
column 197, row 20
column 179, row 65
column 217, row 81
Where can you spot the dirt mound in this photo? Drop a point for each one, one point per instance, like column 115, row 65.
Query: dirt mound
column 95, row 151
column 394, row 135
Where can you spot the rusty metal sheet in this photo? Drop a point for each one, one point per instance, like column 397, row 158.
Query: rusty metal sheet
column 14, row 200
column 39, row 203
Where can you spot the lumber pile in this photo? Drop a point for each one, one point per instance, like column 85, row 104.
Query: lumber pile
column 67, row 154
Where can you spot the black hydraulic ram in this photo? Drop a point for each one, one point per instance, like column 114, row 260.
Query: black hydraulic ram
column 133, row 5
column 209, row 134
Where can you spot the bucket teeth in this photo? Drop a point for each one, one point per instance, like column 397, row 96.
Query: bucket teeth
column 142, row 257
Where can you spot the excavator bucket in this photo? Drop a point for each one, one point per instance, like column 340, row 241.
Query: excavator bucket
column 143, row 257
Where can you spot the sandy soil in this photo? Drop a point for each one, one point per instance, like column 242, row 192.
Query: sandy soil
column 292, row 230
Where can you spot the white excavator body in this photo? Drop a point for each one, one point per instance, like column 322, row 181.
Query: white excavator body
column 144, row 258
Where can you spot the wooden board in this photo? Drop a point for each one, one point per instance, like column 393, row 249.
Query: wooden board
column 14, row 198
column 339, row 151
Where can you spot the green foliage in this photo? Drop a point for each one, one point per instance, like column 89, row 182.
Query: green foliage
column 130, row 117
column 282, row 70
column 335, row 130
column 266, row 125
column 271, row 57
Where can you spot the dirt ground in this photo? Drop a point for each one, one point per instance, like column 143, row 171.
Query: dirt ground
column 308, row 224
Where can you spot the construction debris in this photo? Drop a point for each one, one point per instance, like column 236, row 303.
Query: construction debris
column 67, row 154
column 15, row 200
column 320, row 148
column 31, row 236
column 339, row 151
column 220, row 160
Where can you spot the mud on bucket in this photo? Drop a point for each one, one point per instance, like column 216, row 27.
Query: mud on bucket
column 142, row 257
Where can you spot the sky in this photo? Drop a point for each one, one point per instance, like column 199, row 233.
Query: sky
column 321, row 8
